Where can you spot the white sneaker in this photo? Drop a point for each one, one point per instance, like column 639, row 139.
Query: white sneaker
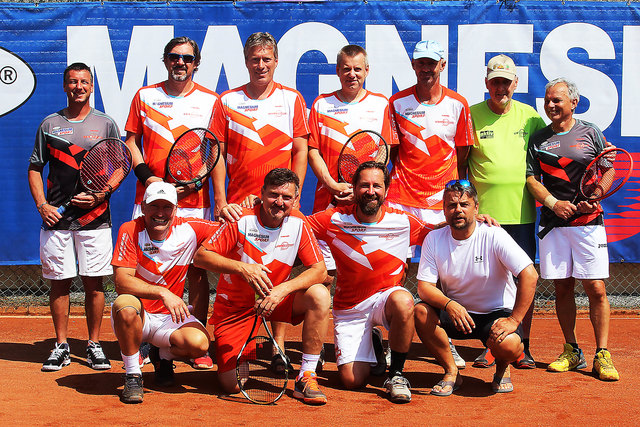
column 460, row 362
column 398, row 388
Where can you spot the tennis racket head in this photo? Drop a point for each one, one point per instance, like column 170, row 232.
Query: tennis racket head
column 362, row 146
column 606, row 174
column 257, row 380
column 105, row 165
column 193, row 156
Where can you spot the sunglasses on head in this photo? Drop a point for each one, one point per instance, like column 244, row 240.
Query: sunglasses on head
column 174, row 57
column 464, row 183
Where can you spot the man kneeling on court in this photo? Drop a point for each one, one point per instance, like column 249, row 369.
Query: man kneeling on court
column 479, row 300
column 255, row 256
column 151, row 261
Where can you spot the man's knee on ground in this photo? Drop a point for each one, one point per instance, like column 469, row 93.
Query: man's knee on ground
column 228, row 381
column 352, row 378
column 126, row 308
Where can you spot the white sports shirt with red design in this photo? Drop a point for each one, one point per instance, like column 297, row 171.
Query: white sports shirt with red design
column 259, row 136
column 429, row 135
column 162, row 118
column 249, row 241
column 369, row 257
column 162, row 263
column 332, row 122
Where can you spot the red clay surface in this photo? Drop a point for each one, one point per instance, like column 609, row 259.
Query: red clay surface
column 78, row 395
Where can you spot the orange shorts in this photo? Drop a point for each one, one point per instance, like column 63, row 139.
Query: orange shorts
column 232, row 326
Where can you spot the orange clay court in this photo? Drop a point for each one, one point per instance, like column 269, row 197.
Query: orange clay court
column 79, row 395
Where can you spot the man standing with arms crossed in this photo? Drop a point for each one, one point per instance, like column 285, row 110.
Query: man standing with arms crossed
column 435, row 133
column 159, row 114
column 83, row 232
column 255, row 255
column 497, row 169
column 577, row 248
column 265, row 128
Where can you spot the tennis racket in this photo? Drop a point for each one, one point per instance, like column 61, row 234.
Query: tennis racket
column 605, row 175
column 257, row 381
column 193, row 156
column 102, row 169
column 362, row 146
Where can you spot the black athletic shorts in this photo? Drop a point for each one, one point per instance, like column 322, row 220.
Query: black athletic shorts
column 483, row 325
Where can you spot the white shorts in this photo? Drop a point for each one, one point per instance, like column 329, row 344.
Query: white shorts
column 60, row 250
column 200, row 213
column 430, row 216
column 327, row 255
column 352, row 327
column 158, row 327
column 579, row 252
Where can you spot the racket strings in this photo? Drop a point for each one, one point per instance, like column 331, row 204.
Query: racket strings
column 258, row 380
column 363, row 146
column 105, row 166
column 605, row 175
column 193, row 156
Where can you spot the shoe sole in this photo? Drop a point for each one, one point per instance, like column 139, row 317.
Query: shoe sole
column 400, row 399
column 310, row 401
column 597, row 374
column 524, row 365
column 53, row 368
column 483, row 364
column 98, row 367
column 579, row 366
column 135, row 399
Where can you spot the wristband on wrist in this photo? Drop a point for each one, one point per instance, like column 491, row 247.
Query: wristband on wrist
column 41, row 205
column 445, row 306
column 143, row 172
column 550, row 201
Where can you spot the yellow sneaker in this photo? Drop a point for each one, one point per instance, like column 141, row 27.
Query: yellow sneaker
column 603, row 367
column 569, row 359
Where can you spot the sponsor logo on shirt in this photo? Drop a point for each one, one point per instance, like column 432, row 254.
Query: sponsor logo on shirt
column 258, row 237
column 162, row 104
column 409, row 112
column 486, row 134
column 389, row 236
column 445, row 121
column 250, row 107
column 355, row 228
column 149, row 248
column 521, row 133
column 338, row 111
column 602, row 245
column 278, row 112
column 62, row 131
column 477, row 259
column 284, row 246
column 550, row 145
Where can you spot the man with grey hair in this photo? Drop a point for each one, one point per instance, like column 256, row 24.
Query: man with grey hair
column 477, row 298
column 497, row 165
column 159, row 114
column 576, row 249
column 265, row 128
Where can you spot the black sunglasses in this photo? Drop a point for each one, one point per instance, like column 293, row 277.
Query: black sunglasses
column 174, row 57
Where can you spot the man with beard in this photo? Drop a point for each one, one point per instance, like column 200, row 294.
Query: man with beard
column 255, row 255
column 159, row 114
column 477, row 297
column 369, row 242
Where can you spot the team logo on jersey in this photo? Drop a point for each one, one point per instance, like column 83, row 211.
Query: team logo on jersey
column 550, row 145
column 486, row 134
column 278, row 112
column 477, row 259
column 445, row 121
column 150, row 249
column 602, row 245
column 284, row 246
column 62, row 131
column 389, row 236
column 249, row 107
column 257, row 236
column 355, row 228
column 521, row 133
column 410, row 112
column 162, row 104
column 338, row 111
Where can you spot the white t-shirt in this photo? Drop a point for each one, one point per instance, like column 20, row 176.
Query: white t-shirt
column 476, row 272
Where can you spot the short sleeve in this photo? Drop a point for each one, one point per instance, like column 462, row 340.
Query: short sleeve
column 428, row 269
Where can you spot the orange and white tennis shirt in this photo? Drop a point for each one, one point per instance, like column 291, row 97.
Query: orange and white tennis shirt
column 370, row 258
column 332, row 122
column 162, row 118
column 249, row 241
column 259, row 136
column 162, row 263
column 429, row 135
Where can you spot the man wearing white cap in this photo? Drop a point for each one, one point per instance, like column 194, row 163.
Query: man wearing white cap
column 150, row 261
column 497, row 166
column 435, row 133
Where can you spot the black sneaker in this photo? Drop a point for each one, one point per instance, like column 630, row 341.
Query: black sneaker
column 380, row 367
column 96, row 358
column 133, row 391
column 58, row 358
column 163, row 368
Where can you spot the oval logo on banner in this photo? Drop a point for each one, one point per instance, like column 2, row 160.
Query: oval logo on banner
column 17, row 81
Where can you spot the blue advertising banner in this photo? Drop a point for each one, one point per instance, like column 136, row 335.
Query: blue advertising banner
column 597, row 45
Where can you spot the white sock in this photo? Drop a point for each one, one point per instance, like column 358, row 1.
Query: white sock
column 132, row 363
column 309, row 363
column 165, row 353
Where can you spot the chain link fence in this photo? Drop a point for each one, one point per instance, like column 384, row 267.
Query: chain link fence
column 22, row 286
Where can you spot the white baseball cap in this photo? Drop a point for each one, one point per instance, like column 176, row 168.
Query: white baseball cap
column 501, row 66
column 161, row 190
column 428, row 49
